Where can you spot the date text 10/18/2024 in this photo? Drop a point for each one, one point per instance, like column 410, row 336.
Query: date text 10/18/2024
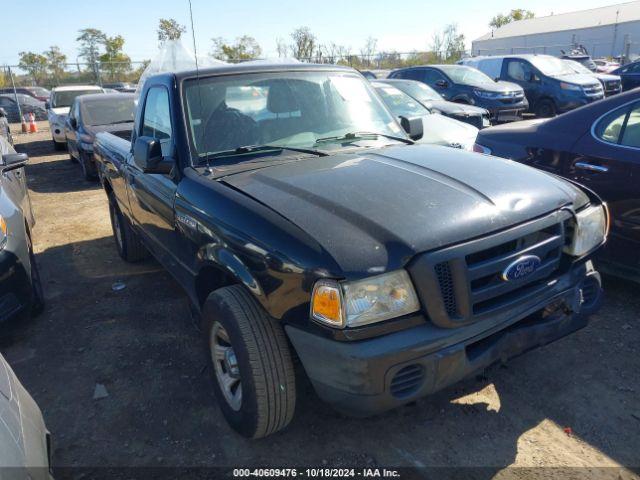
column 316, row 472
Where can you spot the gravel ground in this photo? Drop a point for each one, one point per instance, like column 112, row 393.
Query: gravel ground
column 573, row 404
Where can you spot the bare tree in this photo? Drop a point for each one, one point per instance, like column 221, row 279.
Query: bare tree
column 368, row 51
column 304, row 43
column 282, row 47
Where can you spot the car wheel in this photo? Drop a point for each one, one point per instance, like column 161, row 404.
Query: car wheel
column 37, row 292
column 59, row 145
column 545, row 109
column 129, row 246
column 252, row 371
column 86, row 171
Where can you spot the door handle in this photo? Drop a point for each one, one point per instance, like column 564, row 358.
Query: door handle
column 591, row 168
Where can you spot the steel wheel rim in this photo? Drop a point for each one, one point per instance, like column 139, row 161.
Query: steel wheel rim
column 225, row 366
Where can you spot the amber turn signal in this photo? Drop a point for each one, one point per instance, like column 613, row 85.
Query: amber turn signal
column 326, row 303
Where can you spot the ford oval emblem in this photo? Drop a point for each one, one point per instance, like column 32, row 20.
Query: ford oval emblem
column 521, row 268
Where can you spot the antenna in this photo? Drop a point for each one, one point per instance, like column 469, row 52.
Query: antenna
column 195, row 54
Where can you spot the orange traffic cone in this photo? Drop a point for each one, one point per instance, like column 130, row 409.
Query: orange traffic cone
column 33, row 128
column 23, row 124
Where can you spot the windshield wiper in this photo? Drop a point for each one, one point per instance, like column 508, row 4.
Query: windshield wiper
column 264, row 148
column 362, row 135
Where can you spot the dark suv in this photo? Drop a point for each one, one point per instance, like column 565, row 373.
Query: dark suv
column 457, row 83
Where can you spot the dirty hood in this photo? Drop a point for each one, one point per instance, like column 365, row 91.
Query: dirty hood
column 373, row 210
column 441, row 130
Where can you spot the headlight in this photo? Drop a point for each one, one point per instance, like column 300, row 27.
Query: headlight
column 485, row 94
column 590, row 230
column 570, row 86
column 3, row 233
column 374, row 299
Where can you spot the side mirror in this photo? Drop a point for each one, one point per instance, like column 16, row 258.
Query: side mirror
column 11, row 161
column 413, row 126
column 47, row 105
column 442, row 83
column 147, row 155
column 3, row 112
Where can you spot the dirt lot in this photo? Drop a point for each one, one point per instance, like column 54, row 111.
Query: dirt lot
column 575, row 403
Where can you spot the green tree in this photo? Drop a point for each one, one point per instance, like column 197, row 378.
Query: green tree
column 56, row 62
column 169, row 29
column 244, row 48
column 34, row 64
column 91, row 39
column 513, row 16
column 304, row 43
column 114, row 60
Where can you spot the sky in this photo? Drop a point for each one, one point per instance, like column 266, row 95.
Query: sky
column 403, row 26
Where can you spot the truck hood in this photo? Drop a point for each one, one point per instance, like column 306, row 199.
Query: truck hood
column 581, row 79
column 373, row 210
column 606, row 77
column 441, row 130
column 501, row 87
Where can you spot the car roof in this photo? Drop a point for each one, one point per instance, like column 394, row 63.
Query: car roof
column 104, row 96
column 258, row 67
column 71, row 88
column 524, row 56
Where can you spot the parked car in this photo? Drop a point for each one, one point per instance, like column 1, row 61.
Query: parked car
column 25, row 442
column 123, row 87
column 27, row 104
column 39, row 93
column 20, row 285
column 306, row 221
column 605, row 66
column 551, row 86
column 58, row 109
column 457, row 83
column 611, row 84
column 597, row 146
column 436, row 129
column 95, row 113
column 428, row 97
column 5, row 130
column 583, row 58
column 630, row 75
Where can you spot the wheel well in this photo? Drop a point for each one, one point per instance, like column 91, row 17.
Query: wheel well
column 211, row 278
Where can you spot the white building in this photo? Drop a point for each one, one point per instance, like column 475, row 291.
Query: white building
column 604, row 32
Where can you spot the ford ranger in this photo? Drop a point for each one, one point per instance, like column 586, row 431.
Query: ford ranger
column 305, row 226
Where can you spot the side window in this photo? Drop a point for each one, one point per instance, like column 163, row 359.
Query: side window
column 157, row 117
column 431, row 76
column 411, row 74
column 518, row 71
column 621, row 126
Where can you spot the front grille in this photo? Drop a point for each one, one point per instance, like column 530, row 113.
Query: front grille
column 407, row 381
column 470, row 280
column 595, row 89
column 512, row 99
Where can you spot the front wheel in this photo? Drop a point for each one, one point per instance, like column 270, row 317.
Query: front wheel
column 129, row 246
column 545, row 109
column 59, row 145
column 252, row 371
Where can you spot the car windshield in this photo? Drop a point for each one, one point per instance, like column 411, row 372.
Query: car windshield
column 400, row 103
column 578, row 67
column 466, row 75
column 39, row 91
column 106, row 111
column 418, row 90
column 284, row 109
column 66, row 97
column 552, row 66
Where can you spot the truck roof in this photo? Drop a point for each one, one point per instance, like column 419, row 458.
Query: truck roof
column 71, row 88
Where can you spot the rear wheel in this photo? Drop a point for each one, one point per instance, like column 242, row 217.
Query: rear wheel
column 545, row 108
column 37, row 292
column 252, row 372
column 129, row 246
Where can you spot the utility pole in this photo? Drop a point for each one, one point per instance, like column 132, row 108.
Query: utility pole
column 15, row 95
column 615, row 35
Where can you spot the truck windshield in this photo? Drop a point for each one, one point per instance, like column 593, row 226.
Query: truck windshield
column 107, row 111
column 285, row 109
column 551, row 66
column 66, row 97
column 466, row 75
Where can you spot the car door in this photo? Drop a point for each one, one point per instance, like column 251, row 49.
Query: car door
column 630, row 76
column 11, row 108
column 438, row 81
column 524, row 74
column 152, row 195
column 71, row 131
column 607, row 160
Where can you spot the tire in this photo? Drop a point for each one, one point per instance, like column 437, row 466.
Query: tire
column 545, row 108
column 37, row 292
column 86, row 172
column 262, row 360
column 129, row 246
column 59, row 146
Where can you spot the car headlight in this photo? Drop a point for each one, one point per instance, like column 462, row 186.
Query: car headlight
column 590, row 228
column 3, row 233
column 373, row 299
column 570, row 86
column 485, row 94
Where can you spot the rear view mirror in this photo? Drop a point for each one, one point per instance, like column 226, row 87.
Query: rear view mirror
column 442, row 83
column 3, row 112
column 413, row 126
column 147, row 155
column 11, row 161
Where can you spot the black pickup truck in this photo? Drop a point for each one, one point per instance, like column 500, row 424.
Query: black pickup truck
column 305, row 226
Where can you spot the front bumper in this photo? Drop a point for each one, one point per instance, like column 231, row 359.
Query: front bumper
column 507, row 112
column 370, row 376
column 15, row 286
